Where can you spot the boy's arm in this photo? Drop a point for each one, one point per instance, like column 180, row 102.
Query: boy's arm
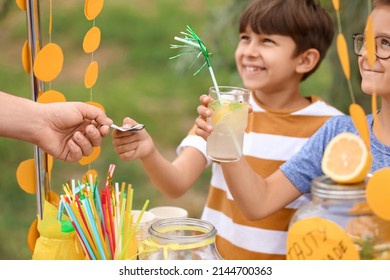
column 255, row 196
column 171, row 178
column 176, row 177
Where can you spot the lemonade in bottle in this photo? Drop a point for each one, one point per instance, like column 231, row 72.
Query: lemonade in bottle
column 229, row 119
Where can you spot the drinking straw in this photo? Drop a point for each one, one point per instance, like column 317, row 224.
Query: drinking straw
column 78, row 228
column 128, row 215
column 93, row 226
column 107, row 222
column 129, row 198
column 73, row 185
column 98, row 202
column 83, row 228
column 82, row 241
column 82, row 214
column 117, row 210
column 123, row 193
column 109, row 216
column 67, row 191
column 129, row 203
column 111, row 171
column 93, row 216
column 88, row 226
column 92, row 223
column 98, row 224
column 192, row 40
column 121, row 230
column 107, row 211
column 133, row 229
column 127, row 221
column 120, row 233
column 91, row 184
column 60, row 210
column 111, row 224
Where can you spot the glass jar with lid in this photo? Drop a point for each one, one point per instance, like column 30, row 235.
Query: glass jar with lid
column 346, row 205
column 180, row 239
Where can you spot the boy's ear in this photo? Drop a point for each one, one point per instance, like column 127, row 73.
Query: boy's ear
column 308, row 60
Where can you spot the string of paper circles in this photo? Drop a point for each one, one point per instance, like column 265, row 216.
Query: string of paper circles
column 46, row 67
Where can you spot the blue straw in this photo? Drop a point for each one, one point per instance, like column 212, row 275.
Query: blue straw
column 74, row 220
column 87, row 208
column 98, row 203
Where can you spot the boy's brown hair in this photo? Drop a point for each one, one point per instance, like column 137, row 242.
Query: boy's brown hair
column 381, row 2
column 305, row 21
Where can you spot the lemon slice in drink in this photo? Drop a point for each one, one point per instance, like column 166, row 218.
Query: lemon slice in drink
column 220, row 114
column 346, row 159
column 228, row 107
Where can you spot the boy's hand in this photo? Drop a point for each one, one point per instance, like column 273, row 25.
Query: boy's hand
column 132, row 145
column 203, row 129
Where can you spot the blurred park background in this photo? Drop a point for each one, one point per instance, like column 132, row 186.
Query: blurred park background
column 137, row 79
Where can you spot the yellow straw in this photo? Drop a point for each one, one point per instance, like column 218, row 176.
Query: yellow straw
column 129, row 198
column 120, row 231
column 128, row 215
column 123, row 186
column 68, row 192
column 133, row 229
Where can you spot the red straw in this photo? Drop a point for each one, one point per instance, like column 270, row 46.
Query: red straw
column 109, row 206
column 82, row 215
column 81, row 240
column 106, row 221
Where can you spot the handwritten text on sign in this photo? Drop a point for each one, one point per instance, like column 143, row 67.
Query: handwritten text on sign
column 319, row 239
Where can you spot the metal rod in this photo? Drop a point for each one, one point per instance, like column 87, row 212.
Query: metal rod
column 37, row 87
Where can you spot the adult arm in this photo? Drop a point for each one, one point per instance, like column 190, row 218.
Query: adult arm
column 66, row 130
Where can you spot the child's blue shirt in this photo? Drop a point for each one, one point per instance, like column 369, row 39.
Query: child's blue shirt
column 305, row 166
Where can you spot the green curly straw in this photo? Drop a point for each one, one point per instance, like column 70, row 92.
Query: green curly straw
column 192, row 41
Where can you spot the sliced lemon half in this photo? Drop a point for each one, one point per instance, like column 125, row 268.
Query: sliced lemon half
column 346, row 159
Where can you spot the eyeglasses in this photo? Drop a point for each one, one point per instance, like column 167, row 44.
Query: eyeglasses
column 382, row 45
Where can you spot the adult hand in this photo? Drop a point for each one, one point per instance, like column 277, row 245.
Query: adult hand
column 69, row 130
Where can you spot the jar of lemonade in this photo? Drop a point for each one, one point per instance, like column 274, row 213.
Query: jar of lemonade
column 180, row 239
column 346, row 205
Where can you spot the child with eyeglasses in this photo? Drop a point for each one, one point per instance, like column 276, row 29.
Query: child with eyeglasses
column 382, row 44
column 281, row 43
column 259, row 196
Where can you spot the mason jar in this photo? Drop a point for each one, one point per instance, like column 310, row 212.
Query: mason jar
column 180, row 239
column 346, row 205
